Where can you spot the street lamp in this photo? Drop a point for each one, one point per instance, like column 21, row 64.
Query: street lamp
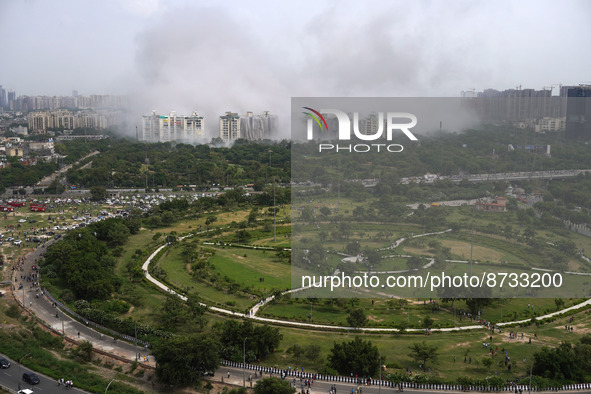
column 531, row 367
column 244, row 362
column 380, row 383
column 109, row 385
column 20, row 367
column 274, row 208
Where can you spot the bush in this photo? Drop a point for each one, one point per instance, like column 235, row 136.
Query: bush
column 13, row 312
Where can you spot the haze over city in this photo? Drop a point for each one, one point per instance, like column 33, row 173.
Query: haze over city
column 185, row 56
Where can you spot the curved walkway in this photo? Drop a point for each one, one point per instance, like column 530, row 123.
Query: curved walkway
column 254, row 310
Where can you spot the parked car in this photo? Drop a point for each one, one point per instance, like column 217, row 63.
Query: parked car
column 26, row 391
column 17, row 242
column 31, row 378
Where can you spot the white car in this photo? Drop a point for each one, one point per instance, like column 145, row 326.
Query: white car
column 26, row 391
column 22, row 221
column 17, row 242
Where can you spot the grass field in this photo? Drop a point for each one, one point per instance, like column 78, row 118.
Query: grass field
column 381, row 314
column 453, row 344
column 245, row 267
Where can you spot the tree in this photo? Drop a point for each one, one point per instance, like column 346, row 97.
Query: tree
column 84, row 351
column 477, row 304
column 559, row 363
column 356, row 357
column 422, row 352
column 173, row 311
column 357, row 318
column 373, row 256
column 353, row 248
column 487, row 362
column 196, row 310
column 428, row 322
column 273, row 386
column 98, row 193
column 210, row 220
column 414, row 263
column 312, row 352
column 182, row 360
column 262, row 340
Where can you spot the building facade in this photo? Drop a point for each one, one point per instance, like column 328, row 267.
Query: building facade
column 230, row 126
column 172, row 127
column 578, row 113
column 41, row 121
column 258, row 127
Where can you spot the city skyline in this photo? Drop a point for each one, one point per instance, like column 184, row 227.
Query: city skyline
column 178, row 55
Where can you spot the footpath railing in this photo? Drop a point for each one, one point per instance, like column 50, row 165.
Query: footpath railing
column 386, row 383
column 81, row 318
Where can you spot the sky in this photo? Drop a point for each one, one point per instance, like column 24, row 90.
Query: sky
column 212, row 56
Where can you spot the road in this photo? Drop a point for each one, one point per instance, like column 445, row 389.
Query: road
column 43, row 183
column 317, row 387
column 76, row 331
column 64, row 324
column 11, row 379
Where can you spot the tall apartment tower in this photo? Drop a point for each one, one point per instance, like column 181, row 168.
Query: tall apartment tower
column 172, row 127
column 3, row 101
column 230, row 126
column 258, row 127
column 578, row 113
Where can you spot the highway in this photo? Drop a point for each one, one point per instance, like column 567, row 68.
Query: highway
column 11, row 379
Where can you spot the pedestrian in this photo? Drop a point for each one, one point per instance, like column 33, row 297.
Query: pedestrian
column 228, row 374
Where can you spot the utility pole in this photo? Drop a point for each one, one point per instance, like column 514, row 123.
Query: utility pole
column 380, row 384
column 244, row 362
column 531, row 367
column 274, row 207
column 274, row 214
column 135, row 340
column 441, row 142
column 471, row 246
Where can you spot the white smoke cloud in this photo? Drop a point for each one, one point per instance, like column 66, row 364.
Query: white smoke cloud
column 217, row 59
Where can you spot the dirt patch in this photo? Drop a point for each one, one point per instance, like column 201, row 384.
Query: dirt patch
column 373, row 318
column 461, row 344
column 581, row 329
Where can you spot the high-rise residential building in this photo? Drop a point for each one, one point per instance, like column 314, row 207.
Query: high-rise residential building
column 578, row 112
column 11, row 98
column 67, row 120
column 524, row 108
column 258, row 127
column 230, row 126
column 371, row 124
column 172, row 127
column 3, row 101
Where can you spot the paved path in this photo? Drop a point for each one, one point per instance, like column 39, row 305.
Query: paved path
column 252, row 312
column 76, row 331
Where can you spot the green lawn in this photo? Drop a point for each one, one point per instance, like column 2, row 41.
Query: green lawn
column 459, row 344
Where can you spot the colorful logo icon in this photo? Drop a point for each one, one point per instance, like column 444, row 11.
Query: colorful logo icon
column 316, row 117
